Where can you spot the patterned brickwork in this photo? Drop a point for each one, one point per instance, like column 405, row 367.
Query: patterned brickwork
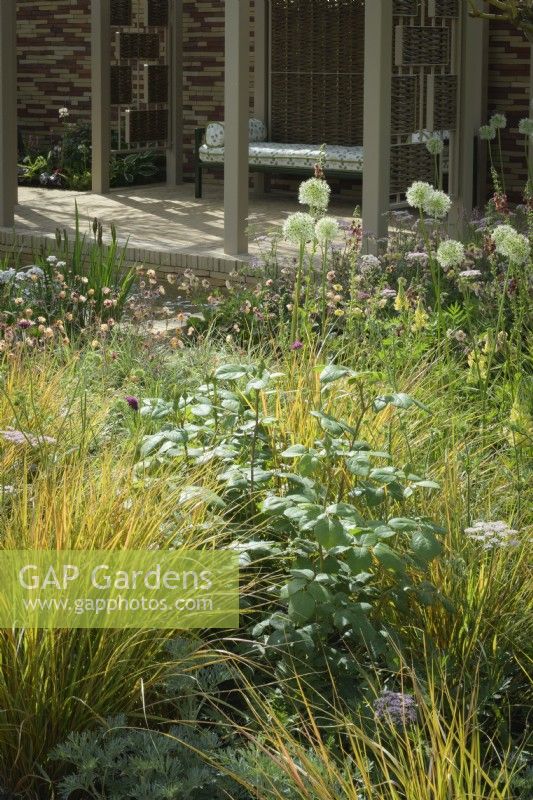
column 509, row 92
column 54, row 62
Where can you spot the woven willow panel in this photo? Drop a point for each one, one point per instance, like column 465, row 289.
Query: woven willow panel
column 157, row 83
column 410, row 163
column 417, row 46
column 442, row 102
column 121, row 12
column 405, row 8
column 139, row 45
column 148, row 125
column 317, row 67
column 121, row 85
column 157, row 13
column 405, row 104
column 443, row 8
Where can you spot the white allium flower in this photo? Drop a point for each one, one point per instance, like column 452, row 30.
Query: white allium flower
column 418, row 194
column 450, row 254
column 315, row 193
column 63, row 112
column 498, row 121
column 438, row 204
column 525, row 126
column 326, row 229
column 299, row 228
column 52, row 259
column 435, row 145
column 487, row 133
column 511, row 244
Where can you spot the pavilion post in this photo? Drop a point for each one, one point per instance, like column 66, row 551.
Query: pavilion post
column 101, row 94
column 8, row 109
column 175, row 144
column 463, row 175
column 261, row 40
column 377, row 119
column 237, row 90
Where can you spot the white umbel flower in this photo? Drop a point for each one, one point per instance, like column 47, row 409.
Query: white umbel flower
column 438, row 204
column 511, row 244
column 299, row 228
column 418, row 194
column 326, row 229
column 315, row 193
column 525, row 126
column 498, row 121
column 487, row 133
column 451, row 253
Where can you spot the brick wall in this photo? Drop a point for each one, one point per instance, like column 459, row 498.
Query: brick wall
column 509, row 92
column 54, row 67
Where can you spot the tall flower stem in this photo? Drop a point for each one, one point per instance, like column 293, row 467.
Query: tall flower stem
column 297, row 292
column 500, row 153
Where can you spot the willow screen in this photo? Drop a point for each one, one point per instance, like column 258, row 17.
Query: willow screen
column 316, row 71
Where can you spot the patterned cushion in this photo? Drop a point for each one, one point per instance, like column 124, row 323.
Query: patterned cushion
column 214, row 134
column 338, row 158
column 257, row 130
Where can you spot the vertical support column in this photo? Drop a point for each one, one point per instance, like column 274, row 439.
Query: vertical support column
column 237, row 89
column 469, row 67
column 8, row 111
column 377, row 117
column 175, row 88
column 261, row 62
column 101, row 93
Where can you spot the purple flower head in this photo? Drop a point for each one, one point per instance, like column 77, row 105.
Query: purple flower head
column 396, row 708
column 133, row 402
column 24, row 323
column 297, row 345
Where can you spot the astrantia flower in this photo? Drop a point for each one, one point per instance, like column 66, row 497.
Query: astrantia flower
column 418, row 194
column 437, row 205
column 511, row 244
column 487, row 133
column 326, row 229
column 63, row 112
column 315, row 193
column 498, row 121
column 396, row 708
column 493, row 534
column 450, row 254
column 21, row 438
column 470, row 273
column 435, row 145
column 299, row 228
column 525, row 126
column 369, row 262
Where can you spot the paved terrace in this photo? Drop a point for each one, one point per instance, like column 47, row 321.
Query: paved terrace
column 163, row 227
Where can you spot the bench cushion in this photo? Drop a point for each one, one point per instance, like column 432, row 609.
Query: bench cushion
column 338, row 158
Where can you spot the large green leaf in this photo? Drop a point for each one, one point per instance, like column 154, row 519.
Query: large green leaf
column 388, row 558
column 425, row 546
column 330, row 532
column 301, row 607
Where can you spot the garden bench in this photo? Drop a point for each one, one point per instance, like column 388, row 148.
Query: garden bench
column 273, row 157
